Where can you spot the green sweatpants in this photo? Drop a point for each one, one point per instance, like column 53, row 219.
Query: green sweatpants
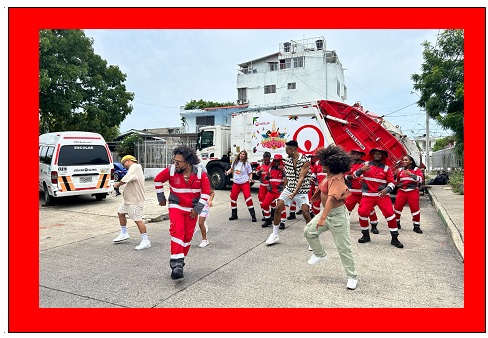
column 339, row 225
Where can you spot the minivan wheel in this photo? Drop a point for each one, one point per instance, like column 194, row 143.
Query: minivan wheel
column 116, row 177
column 48, row 199
column 100, row 197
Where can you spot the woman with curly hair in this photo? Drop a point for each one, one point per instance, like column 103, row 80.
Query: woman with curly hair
column 189, row 193
column 334, row 215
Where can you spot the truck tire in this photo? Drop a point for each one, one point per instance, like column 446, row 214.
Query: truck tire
column 48, row 199
column 100, row 197
column 116, row 177
column 217, row 178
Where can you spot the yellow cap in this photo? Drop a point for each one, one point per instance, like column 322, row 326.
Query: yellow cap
column 128, row 157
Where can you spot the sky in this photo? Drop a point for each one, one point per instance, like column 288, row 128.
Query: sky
column 166, row 68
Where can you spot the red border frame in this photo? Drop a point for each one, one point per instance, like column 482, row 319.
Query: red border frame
column 24, row 312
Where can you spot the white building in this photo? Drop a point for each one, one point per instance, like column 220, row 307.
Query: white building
column 301, row 71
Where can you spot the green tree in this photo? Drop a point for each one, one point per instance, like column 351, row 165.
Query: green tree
column 201, row 104
column 127, row 145
column 441, row 83
column 77, row 90
column 442, row 143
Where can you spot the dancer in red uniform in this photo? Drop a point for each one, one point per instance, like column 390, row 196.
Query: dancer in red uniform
column 354, row 185
column 262, row 171
column 275, row 176
column 377, row 184
column 408, row 179
column 189, row 192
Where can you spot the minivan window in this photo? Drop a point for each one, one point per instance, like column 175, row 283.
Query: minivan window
column 83, row 155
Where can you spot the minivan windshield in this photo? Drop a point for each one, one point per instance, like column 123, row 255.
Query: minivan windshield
column 83, row 155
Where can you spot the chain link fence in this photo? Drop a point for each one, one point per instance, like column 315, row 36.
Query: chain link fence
column 445, row 160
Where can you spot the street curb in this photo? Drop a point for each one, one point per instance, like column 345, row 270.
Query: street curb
column 451, row 227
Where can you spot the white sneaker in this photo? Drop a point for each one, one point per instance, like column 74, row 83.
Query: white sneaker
column 272, row 239
column 314, row 259
column 204, row 243
column 121, row 237
column 352, row 283
column 144, row 245
column 310, row 248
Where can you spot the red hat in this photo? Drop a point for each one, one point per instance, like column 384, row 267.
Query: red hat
column 357, row 150
column 384, row 152
column 277, row 157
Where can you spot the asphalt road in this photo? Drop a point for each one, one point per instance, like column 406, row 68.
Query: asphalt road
column 80, row 266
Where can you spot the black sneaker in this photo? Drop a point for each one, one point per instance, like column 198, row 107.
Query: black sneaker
column 282, row 226
column 292, row 216
column 299, row 212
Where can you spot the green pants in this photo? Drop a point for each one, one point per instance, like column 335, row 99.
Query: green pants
column 339, row 225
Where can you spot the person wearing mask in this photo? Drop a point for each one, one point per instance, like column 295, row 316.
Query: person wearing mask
column 334, row 215
column 189, row 193
column 377, row 184
column 133, row 204
column 242, row 178
column 409, row 177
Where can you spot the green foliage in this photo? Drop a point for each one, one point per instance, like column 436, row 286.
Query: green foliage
column 201, row 104
column 77, row 90
column 441, row 83
column 456, row 181
column 442, row 143
column 127, row 146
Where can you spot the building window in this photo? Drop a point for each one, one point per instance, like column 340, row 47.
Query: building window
column 269, row 89
column 273, row 66
column 285, row 63
column 298, row 62
column 205, row 120
column 242, row 94
column 338, row 88
column 292, row 85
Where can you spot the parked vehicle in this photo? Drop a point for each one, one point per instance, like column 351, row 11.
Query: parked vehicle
column 74, row 163
column 119, row 171
column 314, row 125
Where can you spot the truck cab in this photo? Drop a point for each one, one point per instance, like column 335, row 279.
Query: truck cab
column 213, row 149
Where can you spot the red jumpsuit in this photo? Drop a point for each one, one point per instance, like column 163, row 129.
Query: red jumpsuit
column 354, row 185
column 263, row 187
column 183, row 197
column 275, row 176
column 318, row 176
column 408, row 192
column 377, row 178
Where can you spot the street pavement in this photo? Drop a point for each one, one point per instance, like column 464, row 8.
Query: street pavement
column 80, row 266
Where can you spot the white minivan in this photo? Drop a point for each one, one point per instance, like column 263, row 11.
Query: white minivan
column 74, row 163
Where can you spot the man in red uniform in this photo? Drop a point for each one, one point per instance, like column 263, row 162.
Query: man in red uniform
column 377, row 184
column 354, row 185
column 189, row 192
column 262, row 171
column 275, row 177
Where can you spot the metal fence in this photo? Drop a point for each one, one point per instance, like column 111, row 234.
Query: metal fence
column 445, row 160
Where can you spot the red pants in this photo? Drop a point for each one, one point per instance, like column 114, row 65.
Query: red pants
column 181, row 228
column 234, row 193
column 354, row 199
column 269, row 199
column 412, row 198
column 367, row 205
column 283, row 213
column 263, row 190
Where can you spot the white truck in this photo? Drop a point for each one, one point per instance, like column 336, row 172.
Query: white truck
column 313, row 125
